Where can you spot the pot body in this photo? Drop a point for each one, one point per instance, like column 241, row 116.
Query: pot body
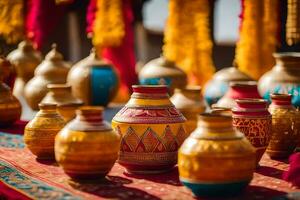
column 94, row 81
column 61, row 95
column 238, row 90
column 39, row 133
column 25, row 59
column 217, row 87
column 52, row 70
column 251, row 117
column 213, row 144
column 163, row 72
column 285, row 133
column 190, row 103
column 152, row 130
column 87, row 147
column 10, row 107
column 284, row 78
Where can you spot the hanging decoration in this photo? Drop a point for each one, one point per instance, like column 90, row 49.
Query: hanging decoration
column 108, row 25
column 258, row 36
column 187, row 39
column 293, row 22
column 11, row 20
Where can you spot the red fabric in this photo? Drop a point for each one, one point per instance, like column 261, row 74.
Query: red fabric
column 41, row 19
column 293, row 174
column 16, row 128
column 266, row 184
column 90, row 16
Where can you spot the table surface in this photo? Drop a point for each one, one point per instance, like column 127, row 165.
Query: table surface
column 24, row 177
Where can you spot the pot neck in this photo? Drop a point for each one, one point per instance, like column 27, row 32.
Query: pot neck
column 90, row 114
column 281, row 100
column 290, row 60
column 59, row 89
column 150, row 92
column 215, row 122
column 190, row 92
column 47, row 108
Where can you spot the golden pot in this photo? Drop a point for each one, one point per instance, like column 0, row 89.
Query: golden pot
column 10, row 107
column 94, row 80
column 220, row 110
column 190, row 103
column 285, row 127
column 87, row 147
column 39, row 133
column 161, row 71
column 25, row 59
column 216, row 159
column 152, row 130
column 61, row 95
column 52, row 70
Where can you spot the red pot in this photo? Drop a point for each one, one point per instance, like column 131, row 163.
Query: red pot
column 251, row 117
column 238, row 90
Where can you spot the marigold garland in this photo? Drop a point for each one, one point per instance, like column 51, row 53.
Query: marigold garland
column 11, row 20
column 258, row 37
column 108, row 26
column 187, row 39
column 293, row 22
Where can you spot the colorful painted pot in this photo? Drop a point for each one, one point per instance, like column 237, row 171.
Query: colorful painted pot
column 52, row 70
column 152, row 130
column 10, row 107
column 251, row 117
column 284, row 78
column 238, row 90
column 161, row 71
column 189, row 102
column 216, row 160
column 25, row 59
column 285, row 134
column 40, row 132
column 87, row 147
column 93, row 80
column 217, row 87
column 60, row 94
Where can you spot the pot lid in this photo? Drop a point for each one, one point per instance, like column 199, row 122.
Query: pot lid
column 54, row 55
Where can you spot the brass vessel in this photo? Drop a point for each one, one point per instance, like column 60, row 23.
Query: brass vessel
column 52, row 70
column 61, row 95
column 285, row 133
column 161, row 71
column 39, row 133
column 10, row 107
column 87, row 147
column 216, row 159
column 25, row 59
column 190, row 103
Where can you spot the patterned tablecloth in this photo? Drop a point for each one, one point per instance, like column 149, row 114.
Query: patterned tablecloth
column 23, row 177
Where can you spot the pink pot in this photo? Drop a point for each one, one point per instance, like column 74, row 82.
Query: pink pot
column 251, row 117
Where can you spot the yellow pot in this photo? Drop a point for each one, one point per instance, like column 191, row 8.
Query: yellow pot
column 152, row 130
column 87, row 147
column 215, row 159
column 40, row 132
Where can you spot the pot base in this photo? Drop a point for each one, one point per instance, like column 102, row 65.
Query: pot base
column 215, row 189
column 140, row 169
column 86, row 177
column 278, row 154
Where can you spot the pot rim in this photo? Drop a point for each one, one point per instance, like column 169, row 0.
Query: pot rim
column 286, row 54
column 243, row 83
column 251, row 101
column 190, row 88
column 58, row 85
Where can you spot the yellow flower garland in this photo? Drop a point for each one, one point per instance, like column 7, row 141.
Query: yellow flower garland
column 108, row 25
column 258, row 37
column 11, row 20
column 187, row 39
column 293, row 22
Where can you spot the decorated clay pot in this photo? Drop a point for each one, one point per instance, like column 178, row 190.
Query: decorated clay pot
column 284, row 78
column 10, row 107
column 152, row 130
column 238, row 90
column 87, row 147
column 251, row 117
column 217, row 87
column 93, row 80
column 189, row 102
column 216, row 160
column 60, row 94
column 52, row 70
column 161, row 71
column 285, row 134
column 25, row 59
column 39, row 133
